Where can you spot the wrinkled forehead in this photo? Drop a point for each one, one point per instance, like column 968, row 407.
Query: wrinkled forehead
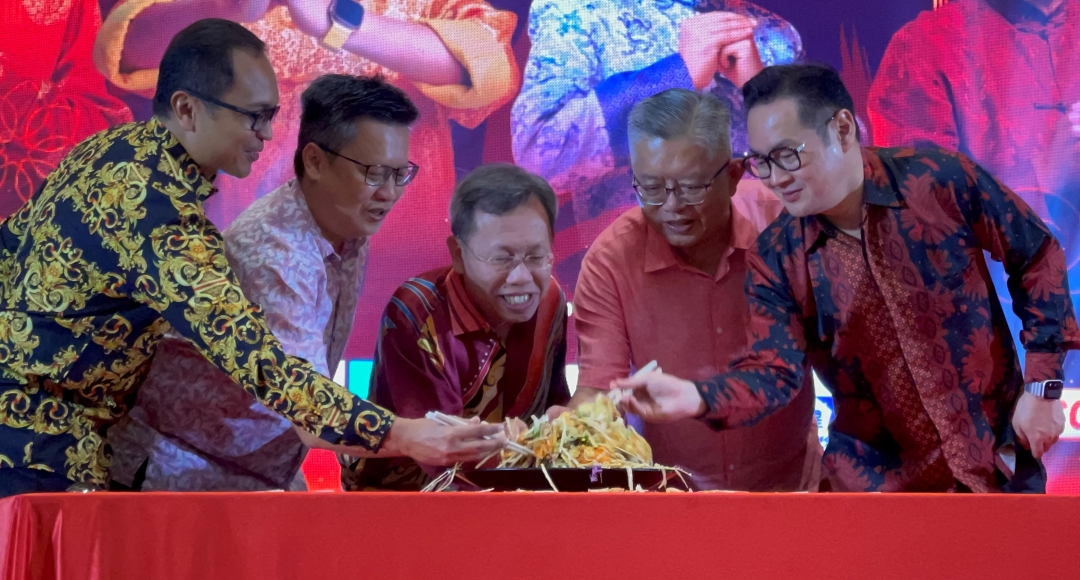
column 681, row 157
column 522, row 229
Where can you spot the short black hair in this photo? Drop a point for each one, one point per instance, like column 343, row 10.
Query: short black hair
column 497, row 189
column 199, row 58
column 816, row 88
column 332, row 105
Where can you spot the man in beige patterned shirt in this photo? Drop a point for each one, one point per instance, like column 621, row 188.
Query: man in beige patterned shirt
column 300, row 252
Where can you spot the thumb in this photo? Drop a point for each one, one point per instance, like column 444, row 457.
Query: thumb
column 1022, row 437
column 631, row 383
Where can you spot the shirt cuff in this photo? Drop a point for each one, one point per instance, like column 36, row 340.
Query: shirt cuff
column 619, row 93
column 1043, row 366
column 711, row 417
column 368, row 426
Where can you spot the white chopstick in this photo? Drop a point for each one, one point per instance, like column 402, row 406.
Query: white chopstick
column 452, row 421
column 618, row 394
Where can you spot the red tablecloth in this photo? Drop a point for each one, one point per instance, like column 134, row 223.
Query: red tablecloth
column 553, row 536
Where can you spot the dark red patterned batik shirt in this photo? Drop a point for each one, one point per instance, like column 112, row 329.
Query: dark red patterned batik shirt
column 904, row 326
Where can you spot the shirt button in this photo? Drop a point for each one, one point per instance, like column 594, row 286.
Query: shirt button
column 731, row 467
column 719, row 330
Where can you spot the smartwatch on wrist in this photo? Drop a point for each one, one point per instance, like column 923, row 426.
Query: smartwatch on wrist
column 345, row 19
column 1045, row 389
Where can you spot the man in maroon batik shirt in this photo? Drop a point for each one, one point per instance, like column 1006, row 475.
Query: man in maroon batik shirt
column 483, row 338
column 875, row 278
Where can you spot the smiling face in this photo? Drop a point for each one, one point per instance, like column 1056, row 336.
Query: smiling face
column 342, row 202
column 221, row 139
column 682, row 162
column 505, row 298
column 824, row 178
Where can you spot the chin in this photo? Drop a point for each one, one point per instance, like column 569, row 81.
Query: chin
column 799, row 210
column 238, row 172
column 518, row 318
column 683, row 241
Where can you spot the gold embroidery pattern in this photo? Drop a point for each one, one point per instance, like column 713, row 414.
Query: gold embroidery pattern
column 109, row 256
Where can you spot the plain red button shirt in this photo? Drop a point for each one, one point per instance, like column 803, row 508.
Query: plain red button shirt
column 636, row 301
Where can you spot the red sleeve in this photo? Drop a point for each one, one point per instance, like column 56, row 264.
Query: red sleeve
column 603, row 342
column 909, row 104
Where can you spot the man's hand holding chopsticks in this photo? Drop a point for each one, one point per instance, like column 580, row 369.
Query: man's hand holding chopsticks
column 659, row 398
column 431, row 443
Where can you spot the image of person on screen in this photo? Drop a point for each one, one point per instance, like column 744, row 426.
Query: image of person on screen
column 483, row 338
column 875, row 279
column 665, row 282
column 998, row 80
column 590, row 62
column 115, row 251
column 51, row 96
column 299, row 252
column 451, row 57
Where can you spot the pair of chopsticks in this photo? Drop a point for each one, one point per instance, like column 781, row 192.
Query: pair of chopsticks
column 618, row 394
column 452, row 421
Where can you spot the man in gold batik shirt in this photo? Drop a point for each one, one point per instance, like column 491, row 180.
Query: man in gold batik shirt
column 115, row 250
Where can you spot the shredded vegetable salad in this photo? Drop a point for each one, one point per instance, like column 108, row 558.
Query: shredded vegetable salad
column 593, row 435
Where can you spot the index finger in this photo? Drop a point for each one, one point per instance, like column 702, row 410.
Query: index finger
column 478, row 431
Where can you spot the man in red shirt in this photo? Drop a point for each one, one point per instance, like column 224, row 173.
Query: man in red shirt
column 665, row 282
column 875, row 278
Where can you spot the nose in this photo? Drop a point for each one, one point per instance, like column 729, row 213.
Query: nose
column 778, row 177
column 519, row 275
column 266, row 133
column 387, row 191
column 672, row 201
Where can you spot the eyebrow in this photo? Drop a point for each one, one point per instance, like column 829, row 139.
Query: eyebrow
column 784, row 143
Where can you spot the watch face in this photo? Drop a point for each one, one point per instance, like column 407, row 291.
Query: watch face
column 348, row 12
column 1053, row 388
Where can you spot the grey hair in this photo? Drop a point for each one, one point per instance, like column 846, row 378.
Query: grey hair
column 498, row 189
column 674, row 113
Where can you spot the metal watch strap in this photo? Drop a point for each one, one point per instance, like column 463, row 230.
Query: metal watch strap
column 337, row 35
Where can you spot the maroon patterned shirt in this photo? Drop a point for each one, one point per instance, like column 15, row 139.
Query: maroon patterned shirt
column 904, row 326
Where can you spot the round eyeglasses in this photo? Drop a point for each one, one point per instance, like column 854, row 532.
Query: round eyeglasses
column 507, row 264
column 786, row 158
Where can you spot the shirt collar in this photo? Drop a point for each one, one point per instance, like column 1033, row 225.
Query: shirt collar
column 465, row 317
column 189, row 170
column 878, row 189
column 326, row 249
column 660, row 256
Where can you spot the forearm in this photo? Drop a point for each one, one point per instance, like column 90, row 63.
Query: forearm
column 410, row 48
column 390, row 447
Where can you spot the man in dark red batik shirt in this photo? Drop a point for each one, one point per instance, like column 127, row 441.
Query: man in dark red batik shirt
column 874, row 277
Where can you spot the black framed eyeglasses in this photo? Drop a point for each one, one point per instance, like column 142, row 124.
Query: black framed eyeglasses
column 376, row 175
column 687, row 194
column 259, row 119
column 786, row 158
